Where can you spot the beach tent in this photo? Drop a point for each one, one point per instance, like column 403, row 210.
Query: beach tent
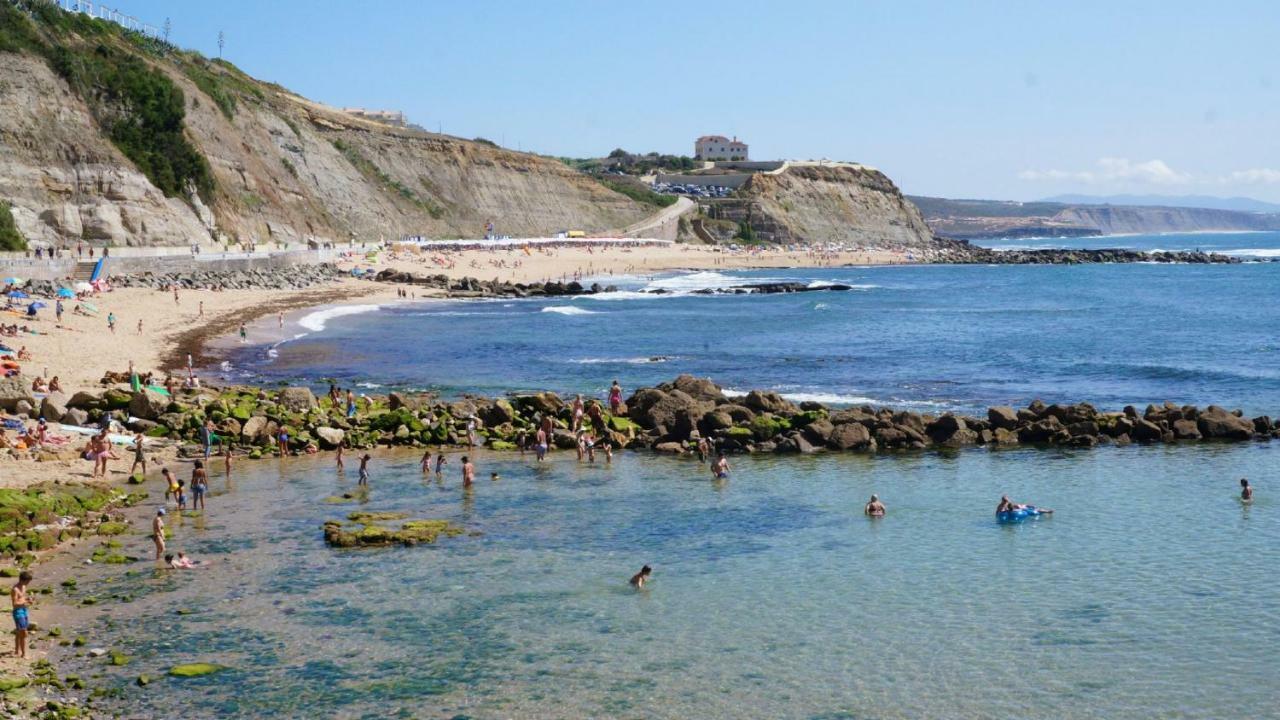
column 83, row 287
column 66, row 293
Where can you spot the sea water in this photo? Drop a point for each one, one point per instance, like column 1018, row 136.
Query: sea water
column 1150, row 592
column 929, row 338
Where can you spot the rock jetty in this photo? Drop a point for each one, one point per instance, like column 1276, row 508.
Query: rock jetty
column 293, row 277
column 670, row 418
column 961, row 252
column 469, row 287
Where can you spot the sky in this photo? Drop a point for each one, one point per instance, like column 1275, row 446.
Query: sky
column 1011, row 100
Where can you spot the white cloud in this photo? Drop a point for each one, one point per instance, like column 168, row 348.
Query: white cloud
column 1116, row 170
column 1253, row 176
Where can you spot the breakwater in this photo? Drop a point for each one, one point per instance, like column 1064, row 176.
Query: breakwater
column 669, row 418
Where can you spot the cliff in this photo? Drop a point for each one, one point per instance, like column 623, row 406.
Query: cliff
column 968, row 219
column 841, row 203
column 112, row 137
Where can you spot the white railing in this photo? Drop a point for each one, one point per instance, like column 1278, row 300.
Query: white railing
column 102, row 12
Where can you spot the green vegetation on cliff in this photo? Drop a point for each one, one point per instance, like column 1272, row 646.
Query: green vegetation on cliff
column 638, row 192
column 135, row 104
column 10, row 238
column 373, row 172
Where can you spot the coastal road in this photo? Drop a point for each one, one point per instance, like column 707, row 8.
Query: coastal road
column 663, row 224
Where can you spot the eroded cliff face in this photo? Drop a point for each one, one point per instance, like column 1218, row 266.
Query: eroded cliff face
column 842, row 203
column 284, row 168
column 1111, row 220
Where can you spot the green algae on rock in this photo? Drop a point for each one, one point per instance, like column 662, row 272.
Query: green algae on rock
column 196, row 669
column 362, row 530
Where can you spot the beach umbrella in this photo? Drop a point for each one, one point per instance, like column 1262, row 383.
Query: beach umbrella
column 13, row 281
column 65, row 293
column 17, row 294
column 37, row 305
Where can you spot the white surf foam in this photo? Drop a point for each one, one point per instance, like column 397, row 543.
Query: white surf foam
column 315, row 322
column 626, row 361
column 839, row 399
column 568, row 310
column 1252, row 252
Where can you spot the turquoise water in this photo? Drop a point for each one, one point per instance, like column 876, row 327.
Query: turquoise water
column 1152, row 592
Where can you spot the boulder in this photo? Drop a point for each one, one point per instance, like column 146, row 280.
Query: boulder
column 740, row 413
column 1262, row 425
column 850, row 436
column 673, row 448
column 1146, row 431
column 768, row 401
column 14, row 390
column 543, row 403
column 819, row 431
column 714, row 420
column 941, row 429
column 653, row 409
column 1186, row 430
column 229, row 427
column 1215, row 422
column 1002, row 436
column 148, row 404
column 85, row 401
column 1040, row 431
column 1083, row 428
column 75, row 416
column 297, row 399
column 397, row 400
column 852, row 415
column 254, row 429
column 54, row 406
column 25, row 408
column 497, row 412
column 698, row 388
column 1002, row 416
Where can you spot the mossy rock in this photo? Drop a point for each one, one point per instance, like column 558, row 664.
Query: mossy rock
column 364, row 518
column 116, row 559
column 143, row 680
column 411, row 532
column 763, row 427
column 196, row 669
column 617, row 423
column 116, row 399
column 13, row 683
column 112, row 527
column 135, row 479
column 118, row 658
column 80, row 641
column 800, row 420
column 69, row 582
column 739, row 433
column 158, row 431
column 55, row 632
column 502, row 445
column 9, row 572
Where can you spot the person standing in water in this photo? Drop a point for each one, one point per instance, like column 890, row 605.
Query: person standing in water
column 364, row 469
column 199, row 486
column 639, row 579
column 157, row 531
column 441, row 461
column 1246, row 490
column 21, row 621
column 338, row 457
column 468, row 472
column 720, row 468
column 425, row 462
column 139, row 457
column 226, row 458
column 875, row 508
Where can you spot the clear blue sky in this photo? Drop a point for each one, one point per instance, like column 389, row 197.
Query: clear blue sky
column 1003, row 100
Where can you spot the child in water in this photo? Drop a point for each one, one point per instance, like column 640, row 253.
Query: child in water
column 639, row 579
column 1246, row 491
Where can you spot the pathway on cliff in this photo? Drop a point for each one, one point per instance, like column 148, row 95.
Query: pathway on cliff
column 662, row 224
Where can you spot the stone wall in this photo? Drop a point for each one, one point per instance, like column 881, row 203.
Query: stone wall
column 46, row 269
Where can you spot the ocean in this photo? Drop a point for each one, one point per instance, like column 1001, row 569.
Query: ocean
column 1150, row 592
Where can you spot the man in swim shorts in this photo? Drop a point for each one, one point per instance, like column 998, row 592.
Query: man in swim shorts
column 720, row 468
column 540, row 445
column 21, row 621
column 364, row 469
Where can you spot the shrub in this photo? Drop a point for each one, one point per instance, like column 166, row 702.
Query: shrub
column 10, row 238
column 638, row 193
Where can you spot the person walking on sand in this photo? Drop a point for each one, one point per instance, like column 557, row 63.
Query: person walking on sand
column 139, row 326
column 244, row 334
column 874, row 508
column 364, row 469
column 21, row 621
column 201, row 310
column 468, row 472
column 139, row 457
column 157, row 531
column 111, row 321
column 199, row 486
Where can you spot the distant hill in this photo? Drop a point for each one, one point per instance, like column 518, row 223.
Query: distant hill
column 965, row 219
column 1209, row 202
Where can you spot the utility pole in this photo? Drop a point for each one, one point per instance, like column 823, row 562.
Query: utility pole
column 167, row 27
column 222, row 40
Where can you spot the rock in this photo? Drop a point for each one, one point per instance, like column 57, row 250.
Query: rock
column 543, row 403
column 397, row 400
column 14, row 390
column 1040, row 431
column 330, row 438
column 1083, row 428
column 230, row 427
column 25, row 408
column 698, row 388
column 54, row 406
column 498, row 412
column 1146, row 431
column 1002, row 436
column 673, row 448
column 740, row 413
column 254, row 429
column 768, row 401
column 819, row 431
column 1214, row 422
column 945, row 427
column 850, row 436
column 1262, row 425
column 653, row 409
column 959, row 438
column 1002, row 416
column 714, row 420
column 1186, row 430
column 85, row 401
column 297, row 399
column 852, row 415
column 148, row 404
column 97, row 652
column 75, row 416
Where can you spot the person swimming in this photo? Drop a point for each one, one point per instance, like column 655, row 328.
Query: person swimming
column 639, row 579
column 1246, row 490
column 874, row 508
column 1008, row 506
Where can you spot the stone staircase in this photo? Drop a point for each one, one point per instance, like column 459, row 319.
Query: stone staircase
column 84, row 270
